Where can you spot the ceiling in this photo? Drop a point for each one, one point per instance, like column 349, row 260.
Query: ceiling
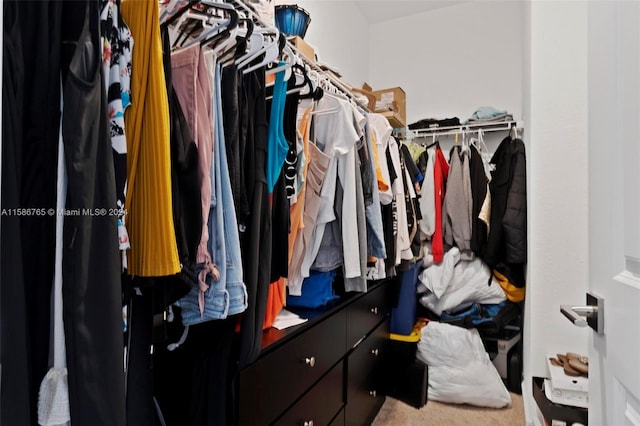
column 385, row 10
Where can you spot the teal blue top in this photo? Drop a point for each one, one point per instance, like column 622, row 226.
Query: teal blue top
column 277, row 146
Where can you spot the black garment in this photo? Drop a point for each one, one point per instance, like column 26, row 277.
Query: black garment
column 91, row 259
column 411, row 165
column 428, row 122
column 289, row 124
column 507, row 241
column 478, row 194
column 255, row 240
column 39, row 23
column 15, row 405
column 390, row 222
column 232, row 91
column 422, row 163
column 140, row 380
column 367, row 171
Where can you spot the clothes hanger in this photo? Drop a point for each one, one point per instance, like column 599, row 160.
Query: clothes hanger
column 434, row 142
column 273, row 50
column 513, row 133
column 288, row 63
column 330, row 91
column 270, row 38
column 196, row 19
column 230, row 23
column 177, row 14
column 168, row 10
column 256, row 41
column 238, row 45
column 315, row 92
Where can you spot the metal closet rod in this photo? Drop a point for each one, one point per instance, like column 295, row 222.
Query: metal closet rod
column 453, row 130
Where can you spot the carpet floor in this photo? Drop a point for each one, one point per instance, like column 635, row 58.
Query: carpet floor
column 395, row 412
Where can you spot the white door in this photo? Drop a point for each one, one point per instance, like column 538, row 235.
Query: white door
column 614, row 210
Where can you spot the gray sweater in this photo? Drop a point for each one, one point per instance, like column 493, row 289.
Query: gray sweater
column 458, row 203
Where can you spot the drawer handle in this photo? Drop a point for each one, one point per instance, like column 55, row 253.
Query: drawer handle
column 374, row 310
column 373, row 393
column 311, row 362
column 308, row 423
column 375, row 352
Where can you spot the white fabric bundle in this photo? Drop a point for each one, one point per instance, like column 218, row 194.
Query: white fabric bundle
column 460, row 370
column 455, row 284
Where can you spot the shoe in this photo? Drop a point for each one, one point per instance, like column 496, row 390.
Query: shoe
column 572, row 364
column 579, row 366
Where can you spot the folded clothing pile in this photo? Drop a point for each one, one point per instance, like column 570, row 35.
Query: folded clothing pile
column 487, row 114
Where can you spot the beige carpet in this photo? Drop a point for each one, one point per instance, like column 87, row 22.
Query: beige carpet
column 395, row 412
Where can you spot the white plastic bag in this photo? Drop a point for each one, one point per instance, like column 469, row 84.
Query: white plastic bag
column 460, row 370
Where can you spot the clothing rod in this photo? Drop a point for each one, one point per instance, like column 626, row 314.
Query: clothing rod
column 453, row 130
column 333, row 80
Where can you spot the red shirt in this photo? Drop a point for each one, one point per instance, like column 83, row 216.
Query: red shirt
column 440, row 172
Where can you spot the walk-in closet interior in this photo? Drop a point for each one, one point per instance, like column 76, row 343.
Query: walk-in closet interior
column 256, row 212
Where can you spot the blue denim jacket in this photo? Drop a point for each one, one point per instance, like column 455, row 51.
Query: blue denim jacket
column 228, row 294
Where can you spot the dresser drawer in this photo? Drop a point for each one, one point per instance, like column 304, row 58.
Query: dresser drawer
column 365, row 402
column 269, row 386
column 365, row 313
column 339, row 419
column 365, row 377
column 320, row 405
column 366, row 360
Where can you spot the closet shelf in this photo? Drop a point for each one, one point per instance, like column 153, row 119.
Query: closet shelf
column 409, row 134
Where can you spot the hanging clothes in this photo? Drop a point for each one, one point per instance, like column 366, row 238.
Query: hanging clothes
column 256, row 235
column 427, row 195
column 458, row 204
column 507, row 241
column 18, row 373
column 117, row 45
column 91, row 291
column 440, row 171
column 191, row 82
column 479, row 189
column 150, row 222
column 375, row 232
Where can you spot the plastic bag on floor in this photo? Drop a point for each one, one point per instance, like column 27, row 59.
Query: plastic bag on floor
column 460, row 370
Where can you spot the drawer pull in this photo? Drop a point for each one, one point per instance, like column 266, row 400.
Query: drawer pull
column 374, row 310
column 308, row 423
column 311, row 362
column 373, row 393
column 375, row 352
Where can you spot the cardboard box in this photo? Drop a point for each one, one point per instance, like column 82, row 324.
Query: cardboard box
column 391, row 103
column 303, row 47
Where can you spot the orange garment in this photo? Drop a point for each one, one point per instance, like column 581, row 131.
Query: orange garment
column 513, row 293
column 149, row 218
column 275, row 302
column 296, row 212
column 382, row 184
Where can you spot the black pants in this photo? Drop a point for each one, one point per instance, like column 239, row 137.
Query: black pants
column 91, row 259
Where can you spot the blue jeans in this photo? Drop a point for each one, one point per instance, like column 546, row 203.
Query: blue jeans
column 226, row 295
column 375, row 233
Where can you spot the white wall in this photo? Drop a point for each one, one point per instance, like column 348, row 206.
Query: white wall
column 557, row 123
column 452, row 60
column 339, row 32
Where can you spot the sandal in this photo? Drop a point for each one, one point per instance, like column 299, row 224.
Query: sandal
column 579, row 366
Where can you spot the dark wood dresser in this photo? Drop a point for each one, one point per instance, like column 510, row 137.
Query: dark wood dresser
column 328, row 370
